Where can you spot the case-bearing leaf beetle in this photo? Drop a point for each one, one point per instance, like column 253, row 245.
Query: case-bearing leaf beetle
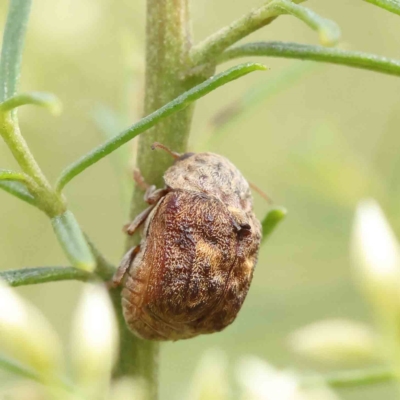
column 193, row 268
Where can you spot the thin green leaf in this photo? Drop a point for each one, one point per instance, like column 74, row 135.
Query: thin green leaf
column 271, row 221
column 13, row 42
column 32, row 276
column 20, row 185
column 8, row 175
column 354, row 59
column 388, row 5
column 328, row 31
column 73, row 241
column 145, row 123
column 46, row 100
column 18, row 369
column 19, row 189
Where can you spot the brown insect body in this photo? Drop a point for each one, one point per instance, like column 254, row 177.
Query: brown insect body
column 192, row 270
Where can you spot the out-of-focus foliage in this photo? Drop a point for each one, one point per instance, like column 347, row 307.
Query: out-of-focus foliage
column 316, row 146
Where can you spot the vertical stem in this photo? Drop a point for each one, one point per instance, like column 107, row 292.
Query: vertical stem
column 168, row 42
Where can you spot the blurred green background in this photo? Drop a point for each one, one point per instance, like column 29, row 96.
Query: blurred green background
column 317, row 144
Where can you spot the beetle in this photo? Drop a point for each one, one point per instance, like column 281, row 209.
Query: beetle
column 193, row 267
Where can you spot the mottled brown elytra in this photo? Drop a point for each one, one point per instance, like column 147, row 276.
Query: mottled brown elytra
column 192, row 270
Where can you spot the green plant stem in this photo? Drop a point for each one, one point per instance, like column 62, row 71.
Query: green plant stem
column 349, row 58
column 351, row 378
column 156, row 120
column 168, row 41
column 207, row 50
column 32, row 276
column 388, row 5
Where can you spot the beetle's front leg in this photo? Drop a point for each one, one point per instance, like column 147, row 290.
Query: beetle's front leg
column 132, row 227
column 151, row 196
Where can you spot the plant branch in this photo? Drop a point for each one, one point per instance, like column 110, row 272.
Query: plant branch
column 145, row 123
column 10, row 66
column 44, row 197
column 349, row 58
column 32, row 276
column 207, row 50
column 388, row 5
column 352, row 378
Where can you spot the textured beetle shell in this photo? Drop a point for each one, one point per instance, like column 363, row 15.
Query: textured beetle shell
column 197, row 255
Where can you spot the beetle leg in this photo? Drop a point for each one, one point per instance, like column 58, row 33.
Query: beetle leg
column 123, row 267
column 152, row 194
column 132, row 227
column 139, row 180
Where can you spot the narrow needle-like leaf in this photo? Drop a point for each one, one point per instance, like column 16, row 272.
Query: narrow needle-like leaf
column 20, row 185
column 19, row 189
column 271, row 221
column 388, row 5
column 46, row 100
column 328, row 31
column 13, row 42
column 349, row 58
column 73, row 241
column 8, row 175
column 145, row 123
column 32, row 276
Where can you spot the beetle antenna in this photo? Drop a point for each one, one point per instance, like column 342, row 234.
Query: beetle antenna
column 157, row 145
column 261, row 193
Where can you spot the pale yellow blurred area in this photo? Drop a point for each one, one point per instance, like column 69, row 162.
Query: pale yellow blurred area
column 316, row 146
